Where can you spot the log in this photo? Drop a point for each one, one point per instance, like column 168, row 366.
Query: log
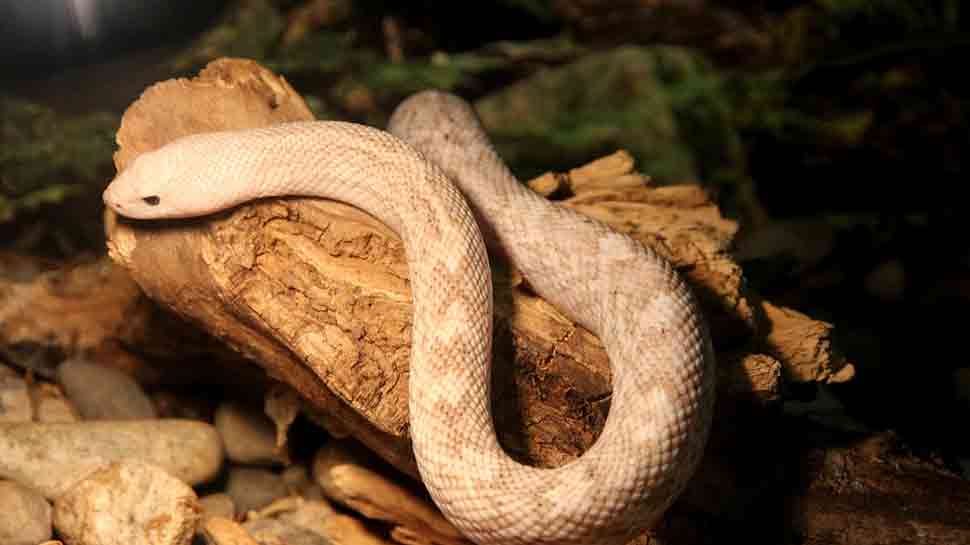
column 317, row 292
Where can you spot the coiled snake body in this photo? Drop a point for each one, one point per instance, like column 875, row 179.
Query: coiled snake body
column 660, row 353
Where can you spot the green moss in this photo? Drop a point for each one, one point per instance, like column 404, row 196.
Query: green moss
column 46, row 158
column 638, row 98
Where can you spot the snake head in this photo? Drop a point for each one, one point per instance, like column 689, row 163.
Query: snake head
column 182, row 179
column 149, row 187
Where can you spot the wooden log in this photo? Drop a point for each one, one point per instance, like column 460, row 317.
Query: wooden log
column 316, row 292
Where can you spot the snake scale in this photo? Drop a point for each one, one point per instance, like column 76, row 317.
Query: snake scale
column 435, row 179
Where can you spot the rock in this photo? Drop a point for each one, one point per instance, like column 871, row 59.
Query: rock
column 128, row 503
column 253, row 488
column 218, row 505
column 249, row 435
column 103, row 393
column 299, row 483
column 53, row 457
column 26, row 515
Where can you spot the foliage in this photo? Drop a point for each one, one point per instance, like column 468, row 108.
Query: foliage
column 46, row 158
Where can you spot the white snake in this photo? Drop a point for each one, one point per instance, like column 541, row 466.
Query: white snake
column 660, row 353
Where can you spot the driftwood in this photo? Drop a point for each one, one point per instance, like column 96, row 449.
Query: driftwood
column 317, row 291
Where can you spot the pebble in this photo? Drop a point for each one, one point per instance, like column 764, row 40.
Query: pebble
column 104, row 393
column 218, row 505
column 128, row 503
column 254, row 488
column 249, row 435
column 26, row 515
column 53, row 457
column 15, row 405
column 299, row 482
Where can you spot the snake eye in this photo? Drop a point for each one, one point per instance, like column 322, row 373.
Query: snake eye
column 152, row 200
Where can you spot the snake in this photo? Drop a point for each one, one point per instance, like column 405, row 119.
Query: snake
column 434, row 178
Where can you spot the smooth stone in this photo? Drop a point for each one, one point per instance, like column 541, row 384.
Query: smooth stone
column 254, row 488
column 53, row 457
column 103, row 393
column 218, row 505
column 249, row 435
column 300, row 483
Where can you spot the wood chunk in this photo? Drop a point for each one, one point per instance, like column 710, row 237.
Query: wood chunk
column 351, row 481
column 804, row 346
column 224, row 531
column 81, row 307
column 317, row 292
column 94, row 309
column 755, row 376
